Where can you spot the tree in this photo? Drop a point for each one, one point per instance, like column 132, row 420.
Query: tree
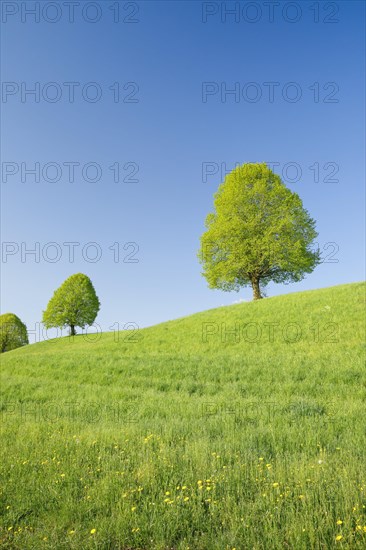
column 13, row 333
column 74, row 303
column 259, row 233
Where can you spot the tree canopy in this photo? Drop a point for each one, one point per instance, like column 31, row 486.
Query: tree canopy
column 13, row 333
column 259, row 232
column 73, row 304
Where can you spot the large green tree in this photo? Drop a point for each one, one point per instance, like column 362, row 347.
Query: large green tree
column 74, row 304
column 259, row 232
column 13, row 333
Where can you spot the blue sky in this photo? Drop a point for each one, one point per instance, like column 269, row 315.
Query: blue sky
column 175, row 139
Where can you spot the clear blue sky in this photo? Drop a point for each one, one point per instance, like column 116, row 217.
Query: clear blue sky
column 169, row 133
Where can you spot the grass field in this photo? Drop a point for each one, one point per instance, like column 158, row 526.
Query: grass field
column 241, row 427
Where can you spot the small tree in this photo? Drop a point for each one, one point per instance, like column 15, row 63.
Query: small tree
column 260, row 232
column 73, row 304
column 13, row 333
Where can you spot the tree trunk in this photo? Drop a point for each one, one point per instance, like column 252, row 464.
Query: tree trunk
column 256, row 289
column 72, row 330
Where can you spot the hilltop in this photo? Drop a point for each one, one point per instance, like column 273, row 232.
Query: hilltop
column 241, row 426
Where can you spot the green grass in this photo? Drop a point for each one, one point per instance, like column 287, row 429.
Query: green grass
column 177, row 440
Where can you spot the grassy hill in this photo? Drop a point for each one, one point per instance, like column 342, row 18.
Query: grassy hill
column 239, row 427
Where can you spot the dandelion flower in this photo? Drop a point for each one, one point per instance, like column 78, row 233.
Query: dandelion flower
column 339, row 537
column 339, row 522
column 93, row 531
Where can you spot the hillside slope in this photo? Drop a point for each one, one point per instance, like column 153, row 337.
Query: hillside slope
column 241, row 426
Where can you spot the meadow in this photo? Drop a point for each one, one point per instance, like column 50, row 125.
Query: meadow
column 241, row 427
